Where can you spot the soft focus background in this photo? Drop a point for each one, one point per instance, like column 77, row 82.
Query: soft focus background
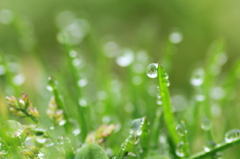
column 114, row 42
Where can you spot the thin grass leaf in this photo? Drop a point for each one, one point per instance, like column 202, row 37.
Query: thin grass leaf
column 218, row 148
column 167, row 109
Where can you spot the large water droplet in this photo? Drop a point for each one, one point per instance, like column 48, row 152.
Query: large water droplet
column 209, row 145
column 152, row 70
column 136, row 126
column 232, row 135
column 60, row 140
column 13, row 128
column 181, row 129
column 180, row 149
column 197, row 77
column 206, row 124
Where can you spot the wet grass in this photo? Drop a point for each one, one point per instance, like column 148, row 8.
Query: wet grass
column 103, row 105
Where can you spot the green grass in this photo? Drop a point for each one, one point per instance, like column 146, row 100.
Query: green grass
column 104, row 106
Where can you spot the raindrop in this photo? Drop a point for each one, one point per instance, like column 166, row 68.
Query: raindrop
column 72, row 53
column 206, row 124
column 76, row 62
column 209, row 145
column 197, row 77
column 76, row 131
column 6, row 16
column 132, row 154
column 82, row 102
column 102, row 95
column 217, row 93
column 19, row 79
column 60, row 140
column 43, row 153
column 152, row 70
column 49, row 143
column 180, row 149
column 181, row 129
column 232, row 135
column 218, row 155
column 111, row 49
column 125, row 59
column 62, row 122
column 49, row 87
column 136, row 126
column 13, row 128
column 41, row 139
column 199, row 97
column 137, row 80
column 2, row 70
column 129, row 107
column 138, row 68
column 82, row 82
column 159, row 101
column 175, row 37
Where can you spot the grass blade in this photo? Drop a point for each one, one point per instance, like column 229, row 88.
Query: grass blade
column 167, row 109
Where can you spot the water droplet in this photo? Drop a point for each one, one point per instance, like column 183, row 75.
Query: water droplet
column 175, row 37
column 206, row 124
column 49, row 143
column 218, row 155
column 60, row 140
column 209, row 145
column 180, row 149
column 159, row 101
column 82, row 102
column 82, row 82
column 6, row 16
column 41, row 139
column 62, row 122
column 18, row 79
column 137, row 80
column 197, row 77
column 132, row 154
column 73, row 53
column 50, row 88
column 199, row 97
column 136, row 126
column 232, row 135
column 13, row 128
column 102, row 95
column 111, row 49
column 2, row 70
column 181, row 129
column 74, row 33
column 76, row 131
column 217, row 93
column 125, row 59
column 152, row 70
column 43, row 153
column 76, row 62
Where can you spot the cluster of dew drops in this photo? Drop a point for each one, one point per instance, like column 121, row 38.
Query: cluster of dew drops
column 230, row 136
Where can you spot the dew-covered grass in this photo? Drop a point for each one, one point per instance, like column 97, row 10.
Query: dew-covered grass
column 89, row 95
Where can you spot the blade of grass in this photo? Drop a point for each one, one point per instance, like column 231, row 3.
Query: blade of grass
column 218, row 148
column 167, row 109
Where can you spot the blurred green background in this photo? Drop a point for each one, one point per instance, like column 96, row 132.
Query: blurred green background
column 102, row 31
